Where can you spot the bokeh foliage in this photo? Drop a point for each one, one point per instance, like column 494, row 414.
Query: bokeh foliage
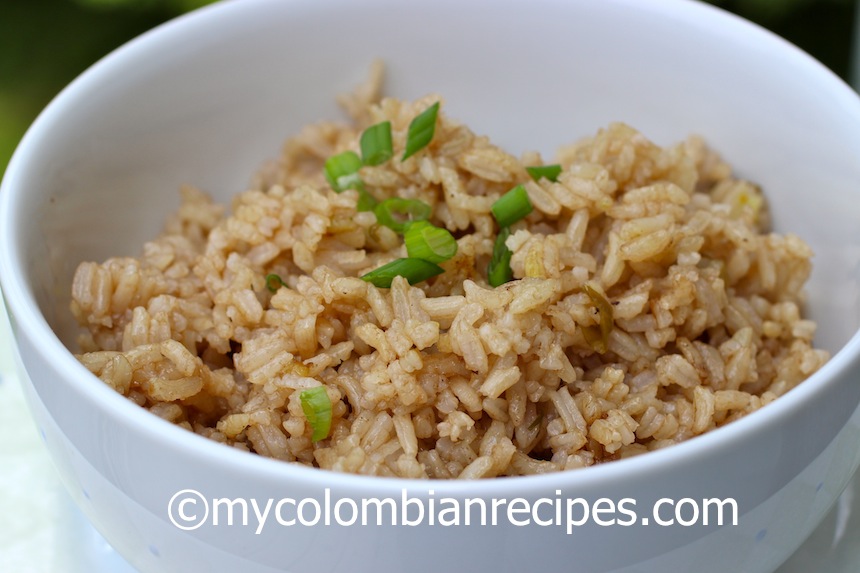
column 44, row 44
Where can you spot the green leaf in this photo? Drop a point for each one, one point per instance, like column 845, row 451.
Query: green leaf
column 317, row 409
column 499, row 271
column 413, row 270
column 428, row 242
column 274, row 282
column 548, row 172
column 376, row 147
column 341, row 171
column 512, row 206
column 421, row 131
column 396, row 213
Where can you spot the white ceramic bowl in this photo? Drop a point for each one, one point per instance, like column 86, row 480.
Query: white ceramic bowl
column 206, row 98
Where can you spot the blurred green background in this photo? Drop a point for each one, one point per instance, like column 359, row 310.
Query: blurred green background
column 44, row 44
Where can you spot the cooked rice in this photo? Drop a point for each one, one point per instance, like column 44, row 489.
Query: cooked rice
column 451, row 378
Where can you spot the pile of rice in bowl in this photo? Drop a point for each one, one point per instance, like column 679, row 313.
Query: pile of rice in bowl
column 639, row 301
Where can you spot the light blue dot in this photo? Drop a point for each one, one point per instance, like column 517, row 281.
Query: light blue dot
column 761, row 535
column 154, row 550
column 86, row 493
column 819, row 486
column 42, row 433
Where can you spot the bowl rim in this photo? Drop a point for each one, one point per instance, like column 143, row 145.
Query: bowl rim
column 32, row 324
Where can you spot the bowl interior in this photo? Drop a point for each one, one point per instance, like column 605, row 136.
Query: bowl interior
column 218, row 93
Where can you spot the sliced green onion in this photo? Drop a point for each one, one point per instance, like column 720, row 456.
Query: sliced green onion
column 594, row 338
column 512, row 206
column 428, row 242
column 598, row 337
column 376, row 145
column 538, row 419
column 413, row 270
column 499, row 271
column 366, row 201
column 317, row 409
column 549, row 172
column 274, row 282
column 341, row 171
column 421, row 131
column 396, row 213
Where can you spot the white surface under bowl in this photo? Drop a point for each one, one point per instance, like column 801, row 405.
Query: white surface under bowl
column 206, row 98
